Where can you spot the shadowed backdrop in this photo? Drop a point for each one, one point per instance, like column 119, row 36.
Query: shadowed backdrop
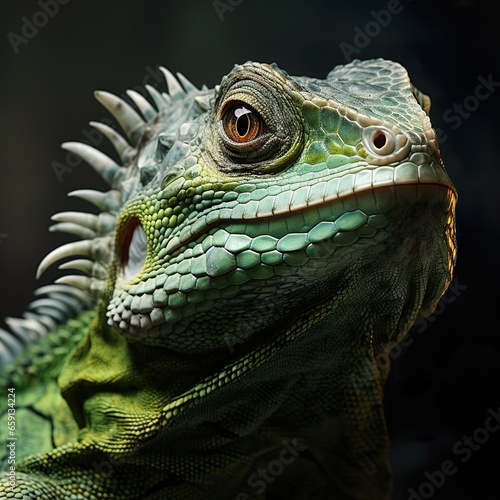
column 444, row 381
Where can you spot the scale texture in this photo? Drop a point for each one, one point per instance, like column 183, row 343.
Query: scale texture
column 261, row 248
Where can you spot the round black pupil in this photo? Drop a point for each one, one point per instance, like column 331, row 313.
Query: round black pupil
column 379, row 140
column 242, row 121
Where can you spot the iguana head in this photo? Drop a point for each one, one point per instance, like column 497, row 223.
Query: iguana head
column 244, row 204
column 261, row 244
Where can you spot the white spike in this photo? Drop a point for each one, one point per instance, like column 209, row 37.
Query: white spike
column 24, row 328
column 52, row 313
column 48, row 302
column 204, row 87
column 84, row 265
column 28, row 324
column 71, row 228
column 43, row 319
column 166, row 98
column 11, row 344
column 188, row 85
column 81, row 218
column 106, row 223
column 18, row 332
column 89, row 267
column 142, row 104
column 125, row 115
column 109, row 201
column 96, row 197
column 118, row 142
column 174, row 87
column 67, row 250
column 203, row 102
column 81, row 282
column 160, row 103
column 67, row 299
column 68, row 290
column 84, row 224
column 102, row 163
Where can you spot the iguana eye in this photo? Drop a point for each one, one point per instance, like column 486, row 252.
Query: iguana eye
column 241, row 122
column 255, row 125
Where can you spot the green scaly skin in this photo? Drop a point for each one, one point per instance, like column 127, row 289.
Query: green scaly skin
column 245, row 281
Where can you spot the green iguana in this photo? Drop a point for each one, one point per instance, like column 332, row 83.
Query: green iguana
column 262, row 244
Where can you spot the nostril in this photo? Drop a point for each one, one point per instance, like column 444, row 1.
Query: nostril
column 379, row 139
column 381, row 142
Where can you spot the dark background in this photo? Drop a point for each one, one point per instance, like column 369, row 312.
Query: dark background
column 443, row 384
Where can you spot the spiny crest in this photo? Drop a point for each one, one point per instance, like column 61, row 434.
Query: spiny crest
column 73, row 293
column 54, row 304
